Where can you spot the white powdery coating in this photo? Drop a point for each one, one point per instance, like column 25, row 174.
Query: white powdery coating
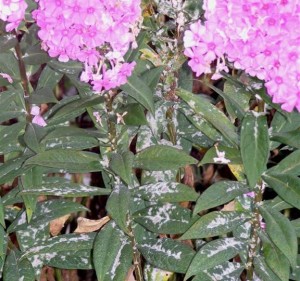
column 228, row 218
column 224, row 245
column 117, row 260
column 233, row 186
column 22, row 219
column 217, row 222
column 162, row 216
column 159, row 248
column 224, row 271
column 158, row 189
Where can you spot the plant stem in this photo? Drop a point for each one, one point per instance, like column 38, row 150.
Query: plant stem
column 111, row 125
column 58, row 275
column 136, row 260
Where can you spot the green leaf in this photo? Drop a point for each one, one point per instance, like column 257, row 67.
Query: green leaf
column 232, row 154
column 161, row 158
column 80, row 259
column 140, row 91
column 10, row 134
column 46, row 212
column 254, row 146
column 164, row 218
column 291, row 138
column 42, row 95
column 7, row 41
column 277, row 204
column 71, row 138
column 275, row 259
column 166, row 192
column 112, row 254
column 33, row 135
column 296, row 225
column 34, row 55
column 9, row 64
column 204, row 108
column 61, row 243
column 67, row 160
column 281, row 232
column 49, row 78
column 214, row 253
column 118, row 206
column 57, row 186
column 263, row 270
column 12, row 168
column 185, row 77
column 167, row 254
column 121, row 165
column 2, row 222
column 135, row 115
column 214, row 224
column 289, row 165
column 286, row 186
column 151, row 76
column 70, row 67
column 16, row 269
column 219, row 194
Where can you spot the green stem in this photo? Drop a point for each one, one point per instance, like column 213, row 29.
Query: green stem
column 137, row 262
column 58, row 275
column 111, row 125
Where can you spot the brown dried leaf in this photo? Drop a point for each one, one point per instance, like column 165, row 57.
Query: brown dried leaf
column 57, row 225
column 86, row 225
column 229, row 207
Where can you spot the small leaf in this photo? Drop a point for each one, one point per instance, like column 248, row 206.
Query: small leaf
column 281, row 232
column 112, row 254
column 214, row 253
column 164, row 218
column 121, row 164
column 254, row 146
column 167, row 254
column 166, row 192
column 214, row 224
column 161, row 158
column 118, row 205
column 140, row 91
column 286, row 186
column 219, row 194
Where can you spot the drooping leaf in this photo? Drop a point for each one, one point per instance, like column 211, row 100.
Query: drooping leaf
column 162, row 157
column 286, row 186
column 291, row 138
column 214, row 253
column 118, row 205
column 263, row 270
column 204, row 108
column 281, row 232
column 112, row 254
column 218, row 194
column 214, row 224
column 254, row 146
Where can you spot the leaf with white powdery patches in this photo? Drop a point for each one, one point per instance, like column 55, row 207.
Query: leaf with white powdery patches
column 112, row 254
column 164, row 218
column 214, row 224
column 218, row 194
column 214, row 253
column 167, row 254
column 162, row 158
column 166, row 192
column 263, row 270
column 254, row 146
column 281, row 232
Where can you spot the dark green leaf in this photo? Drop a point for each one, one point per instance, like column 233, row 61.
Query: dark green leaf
column 254, row 146
column 204, row 108
column 214, row 224
column 167, row 254
column 9, row 137
column 161, row 158
column 263, row 270
column 35, row 55
column 7, row 41
column 281, row 232
column 112, row 254
column 140, row 91
column 164, row 218
column 118, row 205
column 214, row 253
column 69, row 160
column 291, row 138
column 219, row 194
column 135, row 115
column 70, row 67
column 42, row 95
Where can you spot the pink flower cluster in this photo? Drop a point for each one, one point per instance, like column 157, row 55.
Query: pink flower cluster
column 13, row 12
column 260, row 37
column 96, row 32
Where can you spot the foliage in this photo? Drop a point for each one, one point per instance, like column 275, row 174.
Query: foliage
column 201, row 177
